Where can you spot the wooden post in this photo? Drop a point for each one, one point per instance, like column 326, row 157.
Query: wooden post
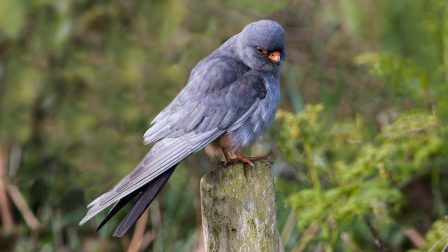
column 238, row 209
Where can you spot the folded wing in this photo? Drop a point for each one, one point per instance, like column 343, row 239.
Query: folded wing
column 216, row 98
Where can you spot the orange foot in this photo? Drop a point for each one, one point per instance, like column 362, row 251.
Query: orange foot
column 245, row 160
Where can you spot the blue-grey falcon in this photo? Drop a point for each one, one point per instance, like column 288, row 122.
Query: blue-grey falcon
column 229, row 101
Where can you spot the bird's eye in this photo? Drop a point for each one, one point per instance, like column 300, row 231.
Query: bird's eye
column 261, row 50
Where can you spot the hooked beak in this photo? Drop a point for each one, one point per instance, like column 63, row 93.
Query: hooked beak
column 274, row 56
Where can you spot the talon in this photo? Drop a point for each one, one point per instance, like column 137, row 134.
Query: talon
column 245, row 160
column 240, row 158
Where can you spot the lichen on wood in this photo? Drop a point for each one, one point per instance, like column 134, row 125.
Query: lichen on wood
column 238, row 208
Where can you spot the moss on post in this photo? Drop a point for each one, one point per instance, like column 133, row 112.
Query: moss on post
column 238, row 208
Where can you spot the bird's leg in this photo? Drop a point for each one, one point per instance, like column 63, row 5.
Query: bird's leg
column 226, row 155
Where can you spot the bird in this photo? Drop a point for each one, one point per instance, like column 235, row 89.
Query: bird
column 229, row 101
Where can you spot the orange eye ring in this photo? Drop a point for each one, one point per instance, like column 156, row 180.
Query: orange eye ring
column 261, row 50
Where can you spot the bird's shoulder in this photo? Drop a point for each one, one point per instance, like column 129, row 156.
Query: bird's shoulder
column 216, row 72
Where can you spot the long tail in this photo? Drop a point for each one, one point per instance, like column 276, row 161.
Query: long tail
column 145, row 195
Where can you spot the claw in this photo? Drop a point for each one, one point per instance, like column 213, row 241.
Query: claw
column 245, row 160
column 240, row 158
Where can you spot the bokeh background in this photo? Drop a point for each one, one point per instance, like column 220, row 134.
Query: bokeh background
column 360, row 144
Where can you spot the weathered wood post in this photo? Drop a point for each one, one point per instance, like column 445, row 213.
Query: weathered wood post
column 238, row 209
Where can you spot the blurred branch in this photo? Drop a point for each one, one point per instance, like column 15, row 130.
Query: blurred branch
column 139, row 231
column 350, row 242
column 415, row 237
column 290, row 223
column 5, row 209
column 438, row 243
column 306, row 238
column 124, row 242
column 155, row 218
column 377, row 238
column 14, row 159
column 23, row 207
column 147, row 239
column 445, row 248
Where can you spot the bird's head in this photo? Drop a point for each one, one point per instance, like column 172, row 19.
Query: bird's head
column 261, row 46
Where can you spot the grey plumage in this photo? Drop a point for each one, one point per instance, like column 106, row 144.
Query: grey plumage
column 233, row 92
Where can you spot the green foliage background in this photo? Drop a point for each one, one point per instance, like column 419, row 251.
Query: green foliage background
column 360, row 144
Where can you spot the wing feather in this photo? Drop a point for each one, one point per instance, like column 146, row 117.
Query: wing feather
column 165, row 154
column 198, row 115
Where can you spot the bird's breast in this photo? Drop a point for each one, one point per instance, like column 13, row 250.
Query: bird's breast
column 257, row 122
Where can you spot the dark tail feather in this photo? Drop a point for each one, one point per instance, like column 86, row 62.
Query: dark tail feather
column 147, row 195
column 119, row 205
